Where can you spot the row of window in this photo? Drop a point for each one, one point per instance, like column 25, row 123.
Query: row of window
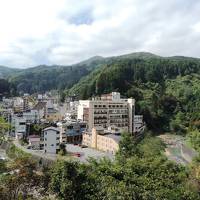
column 110, row 106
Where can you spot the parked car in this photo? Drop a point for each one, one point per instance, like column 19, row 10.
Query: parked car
column 77, row 154
column 84, row 146
column 2, row 158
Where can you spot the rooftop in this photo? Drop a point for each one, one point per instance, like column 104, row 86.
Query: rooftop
column 51, row 128
column 117, row 138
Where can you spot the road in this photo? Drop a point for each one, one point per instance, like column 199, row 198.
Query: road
column 87, row 153
column 38, row 153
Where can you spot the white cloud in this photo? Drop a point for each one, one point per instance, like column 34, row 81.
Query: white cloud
column 67, row 31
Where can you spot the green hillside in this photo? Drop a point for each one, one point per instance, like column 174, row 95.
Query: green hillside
column 44, row 78
column 6, row 71
column 167, row 90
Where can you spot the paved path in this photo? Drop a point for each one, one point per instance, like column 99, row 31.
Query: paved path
column 38, row 153
column 87, row 153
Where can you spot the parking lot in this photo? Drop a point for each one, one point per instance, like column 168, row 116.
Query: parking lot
column 86, row 153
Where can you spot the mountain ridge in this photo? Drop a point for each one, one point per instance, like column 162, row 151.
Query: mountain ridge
column 42, row 78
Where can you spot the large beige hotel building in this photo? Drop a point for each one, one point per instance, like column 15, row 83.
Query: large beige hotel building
column 108, row 110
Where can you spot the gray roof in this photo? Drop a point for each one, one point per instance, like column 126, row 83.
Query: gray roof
column 51, row 128
column 117, row 138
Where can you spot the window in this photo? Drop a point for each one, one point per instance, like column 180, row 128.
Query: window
column 70, row 127
column 52, row 145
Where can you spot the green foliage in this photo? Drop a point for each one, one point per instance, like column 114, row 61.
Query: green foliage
column 4, row 126
column 44, row 78
column 167, row 90
column 13, row 152
column 141, row 172
column 20, row 181
column 6, row 88
column 127, row 145
column 151, row 146
column 62, row 150
column 2, row 166
column 68, row 181
column 36, row 129
column 194, row 138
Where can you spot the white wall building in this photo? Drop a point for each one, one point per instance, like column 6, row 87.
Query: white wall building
column 20, row 125
column 51, row 140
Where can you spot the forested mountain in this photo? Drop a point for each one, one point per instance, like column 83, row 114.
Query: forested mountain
column 44, row 78
column 6, row 71
column 167, row 90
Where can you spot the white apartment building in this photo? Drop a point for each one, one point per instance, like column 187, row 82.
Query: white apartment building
column 20, row 126
column 108, row 110
column 51, row 140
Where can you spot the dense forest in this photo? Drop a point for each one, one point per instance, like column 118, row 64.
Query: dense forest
column 167, row 90
column 7, row 88
column 45, row 78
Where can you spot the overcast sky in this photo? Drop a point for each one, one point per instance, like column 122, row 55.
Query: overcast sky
column 63, row 32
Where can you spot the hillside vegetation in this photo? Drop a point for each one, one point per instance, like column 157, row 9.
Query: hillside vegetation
column 167, row 90
column 44, row 78
column 6, row 71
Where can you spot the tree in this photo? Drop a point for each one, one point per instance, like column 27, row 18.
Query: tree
column 69, row 181
column 194, row 138
column 3, row 167
column 4, row 126
column 127, row 146
column 21, row 180
column 151, row 146
column 63, row 150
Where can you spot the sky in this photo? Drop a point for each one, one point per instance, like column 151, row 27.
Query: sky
column 63, row 32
